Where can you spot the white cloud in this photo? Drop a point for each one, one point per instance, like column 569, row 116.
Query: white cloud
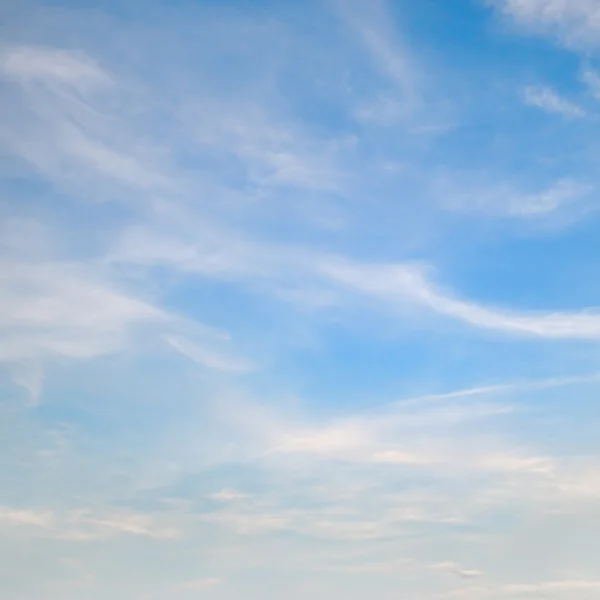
column 549, row 101
column 399, row 457
column 384, row 566
column 82, row 525
column 456, row 569
column 338, row 439
column 550, row 587
column 338, row 480
column 559, row 204
column 227, row 495
column 201, row 584
column 322, row 522
column 211, row 358
column 408, row 475
column 416, row 434
column 221, row 252
column 273, row 151
column 411, row 434
column 73, row 129
column 494, row 390
column 563, row 194
column 27, row 517
column 418, row 437
column 592, row 80
column 57, row 309
column 400, row 283
column 373, row 25
column 374, row 28
column 53, row 66
column 544, row 589
column 29, row 375
column 516, row 464
column 574, row 22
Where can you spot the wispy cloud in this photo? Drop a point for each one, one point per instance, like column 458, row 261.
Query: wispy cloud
column 554, row 589
column 272, row 153
column 57, row 308
column 392, row 283
column 549, row 101
column 575, row 23
column 209, row 357
column 53, row 67
column 560, row 195
column 201, row 584
column 592, row 80
column 226, row 246
column 397, row 283
column 372, row 23
column 60, row 121
column 82, row 525
column 29, row 375
column 456, row 569
column 559, row 204
column 390, row 57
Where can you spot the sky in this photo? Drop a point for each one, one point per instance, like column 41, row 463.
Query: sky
column 299, row 299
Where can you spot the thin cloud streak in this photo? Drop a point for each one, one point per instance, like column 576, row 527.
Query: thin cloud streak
column 550, row 102
column 574, row 23
column 393, row 283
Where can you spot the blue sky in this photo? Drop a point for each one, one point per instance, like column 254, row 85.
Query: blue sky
column 300, row 300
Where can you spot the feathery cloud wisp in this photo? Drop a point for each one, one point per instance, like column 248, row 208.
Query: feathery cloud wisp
column 549, row 101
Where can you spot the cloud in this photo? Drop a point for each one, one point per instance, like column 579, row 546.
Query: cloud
column 559, row 204
column 372, row 23
column 83, row 525
column 322, row 522
column 517, row 464
column 416, row 434
column 58, row 309
column 192, row 170
column 561, row 195
column 84, row 309
column 456, row 569
column 223, row 251
column 71, row 127
column 543, row 589
column 330, row 440
column 592, row 80
column 385, row 566
column 393, row 63
column 53, row 66
column 377, row 437
column 399, row 457
column 271, row 150
column 201, row 584
column 409, row 436
column 399, row 284
column 396, row 284
column 21, row 517
column 549, row 101
column 29, row 376
column 370, row 474
column 574, row 22
column 208, row 357
column 227, row 495
column 279, row 267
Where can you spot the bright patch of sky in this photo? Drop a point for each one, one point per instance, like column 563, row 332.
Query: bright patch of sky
column 300, row 299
